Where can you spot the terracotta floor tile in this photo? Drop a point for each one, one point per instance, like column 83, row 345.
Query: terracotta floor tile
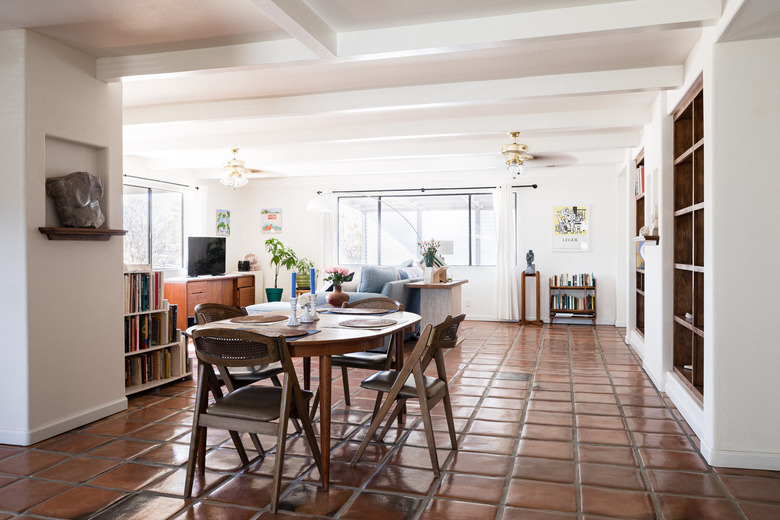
column 480, row 464
column 142, row 506
column 440, row 508
column 662, row 441
column 756, row 511
column 28, row 462
column 653, row 425
column 620, row 477
column 129, row 476
column 590, row 397
column 684, row 483
column 547, row 433
column 7, row 451
column 753, row 488
column 551, row 418
column 530, row 468
column 377, row 506
column 170, row 454
column 603, row 422
column 550, row 406
column 210, row 511
column 245, row 491
column 163, row 432
column 309, row 499
column 486, row 444
column 342, row 474
column 78, row 502
column 78, row 469
column 122, row 449
column 541, row 495
column 73, row 443
column 683, row 508
column 664, row 459
column 597, row 436
column 25, row 493
column 596, row 409
column 173, row 483
column 504, row 404
column 514, row 513
column 617, row 503
column 121, row 426
column 546, row 449
column 402, row 480
column 496, row 414
column 471, row 487
column 502, row 429
column 607, row 455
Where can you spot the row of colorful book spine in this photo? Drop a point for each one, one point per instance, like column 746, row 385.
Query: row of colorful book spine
column 145, row 368
column 575, row 280
column 143, row 331
column 572, row 303
column 143, row 291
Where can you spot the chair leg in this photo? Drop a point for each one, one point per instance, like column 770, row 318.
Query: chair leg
column 399, row 406
column 450, row 420
column 281, row 442
column 275, row 380
column 377, row 404
column 345, row 381
column 375, row 422
column 239, row 446
column 428, row 425
column 257, row 445
column 315, row 403
column 197, row 433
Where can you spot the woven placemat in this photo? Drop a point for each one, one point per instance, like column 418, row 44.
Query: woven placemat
column 357, row 310
column 287, row 332
column 258, row 318
column 368, row 322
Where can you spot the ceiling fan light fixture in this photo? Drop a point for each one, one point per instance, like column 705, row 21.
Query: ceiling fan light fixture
column 515, row 155
column 236, row 175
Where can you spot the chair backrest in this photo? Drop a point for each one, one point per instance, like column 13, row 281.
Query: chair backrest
column 380, row 302
column 208, row 312
column 226, row 347
column 443, row 335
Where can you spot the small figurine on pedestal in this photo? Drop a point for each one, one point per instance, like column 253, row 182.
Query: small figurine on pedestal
column 529, row 258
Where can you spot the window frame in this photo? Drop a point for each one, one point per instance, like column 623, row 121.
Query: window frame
column 381, row 205
column 150, row 213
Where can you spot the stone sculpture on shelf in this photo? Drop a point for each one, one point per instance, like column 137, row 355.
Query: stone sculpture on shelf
column 76, row 198
column 529, row 258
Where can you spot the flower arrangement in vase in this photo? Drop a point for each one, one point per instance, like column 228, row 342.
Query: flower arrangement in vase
column 428, row 250
column 337, row 276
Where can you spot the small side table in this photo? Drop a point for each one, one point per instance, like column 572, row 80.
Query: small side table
column 523, row 321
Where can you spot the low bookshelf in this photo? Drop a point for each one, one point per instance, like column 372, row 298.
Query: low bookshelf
column 155, row 351
column 573, row 297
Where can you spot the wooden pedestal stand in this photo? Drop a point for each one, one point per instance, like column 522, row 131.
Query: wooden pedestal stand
column 524, row 321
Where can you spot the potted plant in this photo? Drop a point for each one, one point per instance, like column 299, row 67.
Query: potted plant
column 304, row 267
column 281, row 256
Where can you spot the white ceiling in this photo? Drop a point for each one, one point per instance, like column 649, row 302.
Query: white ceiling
column 330, row 87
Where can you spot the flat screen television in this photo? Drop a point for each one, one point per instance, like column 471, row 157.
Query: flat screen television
column 206, row 256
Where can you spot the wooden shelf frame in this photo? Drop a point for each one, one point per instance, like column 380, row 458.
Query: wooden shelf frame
column 90, row 234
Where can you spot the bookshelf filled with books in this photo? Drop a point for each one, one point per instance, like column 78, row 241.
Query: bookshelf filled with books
column 639, row 290
column 155, row 352
column 573, row 297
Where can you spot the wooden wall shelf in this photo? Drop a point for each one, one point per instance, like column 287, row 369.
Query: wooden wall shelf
column 65, row 233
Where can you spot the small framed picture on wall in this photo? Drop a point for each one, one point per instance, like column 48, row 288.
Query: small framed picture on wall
column 223, row 222
column 271, row 220
column 571, row 228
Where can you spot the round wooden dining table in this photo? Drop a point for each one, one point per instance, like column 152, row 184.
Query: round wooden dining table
column 333, row 336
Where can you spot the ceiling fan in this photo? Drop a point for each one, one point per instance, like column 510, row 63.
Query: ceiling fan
column 235, row 172
column 515, row 155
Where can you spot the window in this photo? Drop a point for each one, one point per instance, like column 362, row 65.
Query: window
column 153, row 219
column 385, row 229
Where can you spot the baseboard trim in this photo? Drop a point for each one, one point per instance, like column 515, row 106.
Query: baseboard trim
column 740, row 459
column 28, row 437
column 658, row 379
column 686, row 403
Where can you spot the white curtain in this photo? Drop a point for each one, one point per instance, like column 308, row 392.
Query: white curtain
column 323, row 208
column 507, row 293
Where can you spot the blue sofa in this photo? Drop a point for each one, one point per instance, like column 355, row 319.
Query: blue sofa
column 372, row 281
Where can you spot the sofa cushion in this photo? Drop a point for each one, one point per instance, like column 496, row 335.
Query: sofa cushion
column 374, row 277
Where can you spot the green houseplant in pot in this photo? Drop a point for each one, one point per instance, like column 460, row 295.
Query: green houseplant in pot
column 304, row 267
column 281, row 256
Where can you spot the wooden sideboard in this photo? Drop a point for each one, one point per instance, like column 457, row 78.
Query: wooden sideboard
column 186, row 293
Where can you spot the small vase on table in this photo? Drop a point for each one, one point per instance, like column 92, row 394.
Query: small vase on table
column 337, row 297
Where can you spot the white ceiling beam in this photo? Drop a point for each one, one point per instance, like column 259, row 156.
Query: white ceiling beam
column 555, row 23
column 255, row 133
column 210, row 59
column 414, row 39
column 300, row 22
column 375, row 100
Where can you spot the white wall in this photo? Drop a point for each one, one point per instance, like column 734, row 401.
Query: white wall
column 66, row 368
column 741, row 266
column 301, row 229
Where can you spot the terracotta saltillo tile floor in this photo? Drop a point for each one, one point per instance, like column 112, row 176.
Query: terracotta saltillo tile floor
column 557, row 422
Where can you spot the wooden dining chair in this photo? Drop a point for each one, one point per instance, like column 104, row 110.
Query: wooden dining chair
column 257, row 409
column 411, row 382
column 377, row 359
column 241, row 376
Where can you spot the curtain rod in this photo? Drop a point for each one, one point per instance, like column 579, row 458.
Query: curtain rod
column 156, row 180
column 534, row 186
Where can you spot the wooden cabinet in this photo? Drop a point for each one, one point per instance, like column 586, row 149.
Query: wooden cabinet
column 155, row 351
column 689, row 268
column 573, row 297
column 187, row 293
